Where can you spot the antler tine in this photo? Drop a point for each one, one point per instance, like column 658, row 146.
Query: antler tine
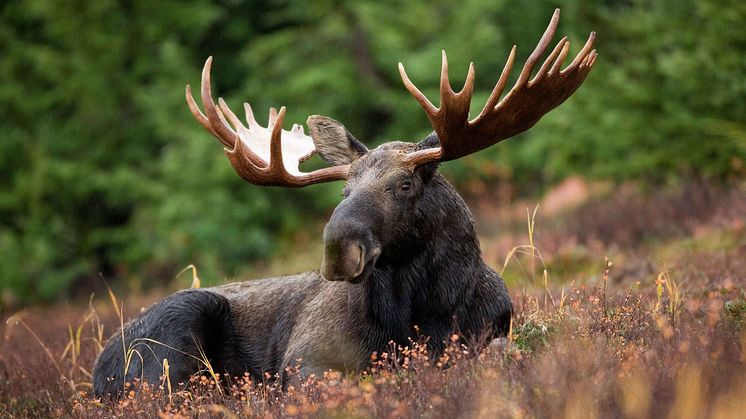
column 272, row 117
column 561, row 58
column 445, row 84
column 500, row 86
column 222, row 117
column 593, row 54
column 198, row 115
column 250, row 119
column 539, row 50
column 429, row 108
column 275, row 144
column 224, row 133
column 468, row 88
column 217, row 119
column 229, row 115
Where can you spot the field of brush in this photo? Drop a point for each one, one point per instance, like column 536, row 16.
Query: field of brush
column 629, row 302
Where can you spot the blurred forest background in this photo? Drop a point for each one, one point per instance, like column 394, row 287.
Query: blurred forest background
column 104, row 172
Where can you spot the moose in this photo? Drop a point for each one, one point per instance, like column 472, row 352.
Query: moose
column 401, row 256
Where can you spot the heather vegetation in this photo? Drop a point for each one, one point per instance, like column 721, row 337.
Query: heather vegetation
column 633, row 328
column 106, row 174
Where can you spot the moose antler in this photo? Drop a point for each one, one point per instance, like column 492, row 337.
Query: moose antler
column 262, row 156
column 518, row 111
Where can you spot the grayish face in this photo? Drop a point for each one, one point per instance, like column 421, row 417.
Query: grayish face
column 378, row 210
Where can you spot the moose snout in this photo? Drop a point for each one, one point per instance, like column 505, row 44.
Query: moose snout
column 349, row 259
column 351, row 246
column 343, row 261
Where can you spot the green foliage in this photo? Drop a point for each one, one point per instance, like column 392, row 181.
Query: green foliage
column 105, row 171
column 533, row 335
column 735, row 311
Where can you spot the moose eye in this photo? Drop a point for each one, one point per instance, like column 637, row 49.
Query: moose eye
column 406, row 186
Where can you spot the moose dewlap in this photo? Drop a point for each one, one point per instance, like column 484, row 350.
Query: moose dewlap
column 401, row 256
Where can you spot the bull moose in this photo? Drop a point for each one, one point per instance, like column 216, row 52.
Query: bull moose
column 401, row 255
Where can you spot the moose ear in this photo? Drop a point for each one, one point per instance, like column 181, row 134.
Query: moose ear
column 431, row 141
column 333, row 142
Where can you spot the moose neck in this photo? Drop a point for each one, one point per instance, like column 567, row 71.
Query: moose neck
column 428, row 274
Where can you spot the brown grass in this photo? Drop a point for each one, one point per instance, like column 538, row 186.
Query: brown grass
column 669, row 341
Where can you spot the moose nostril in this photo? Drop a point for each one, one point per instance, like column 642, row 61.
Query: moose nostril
column 353, row 259
column 360, row 260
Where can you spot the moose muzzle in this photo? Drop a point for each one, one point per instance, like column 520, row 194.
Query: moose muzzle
column 350, row 261
column 350, row 250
